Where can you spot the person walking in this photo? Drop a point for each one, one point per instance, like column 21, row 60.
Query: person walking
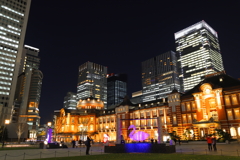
column 214, row 141
column 73, row 143
column 88, row 145
column 209, row 142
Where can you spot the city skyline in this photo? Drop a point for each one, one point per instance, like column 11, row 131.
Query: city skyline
column 118, row 35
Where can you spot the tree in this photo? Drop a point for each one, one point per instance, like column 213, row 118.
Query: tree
column 21, row 127
column 223, row 136
column 173, row 135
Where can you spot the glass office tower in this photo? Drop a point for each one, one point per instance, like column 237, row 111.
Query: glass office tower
column 70, row 101
column 116, row 88
column 199, row 54
column 159, row 76
column 92, row 81
column 13, row 23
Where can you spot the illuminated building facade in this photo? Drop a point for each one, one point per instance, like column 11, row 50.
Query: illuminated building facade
column 116, row 88
column 14, row 17
column 92, row 81
column 212, row 104
column 159, row 76
column 70, row 101
column 199, row 54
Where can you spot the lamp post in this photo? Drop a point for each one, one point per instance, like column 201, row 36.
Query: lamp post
column 7, row 121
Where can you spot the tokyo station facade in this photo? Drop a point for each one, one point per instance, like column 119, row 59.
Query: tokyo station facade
column 213, row 104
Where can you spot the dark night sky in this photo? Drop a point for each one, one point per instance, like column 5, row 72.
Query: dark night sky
column 118, row 34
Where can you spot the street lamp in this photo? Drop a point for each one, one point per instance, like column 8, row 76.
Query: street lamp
column 7, row 121
column 49, row 124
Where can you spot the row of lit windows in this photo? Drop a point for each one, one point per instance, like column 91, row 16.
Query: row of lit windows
column 188, row 106
column 9, row 55
column 10, row 44
column 232, row 116
column 2, row 15
column 5, row 83
column 7, row 59
column 4, row 93
column 231, row 99
column 4, row 88
column 7, row 64
column 6, row 78
column 187, row 118
column 6, row 73
column 6, row 68
column 9, row 9
column 4, row 29
column 8, row 39
column 9, row 50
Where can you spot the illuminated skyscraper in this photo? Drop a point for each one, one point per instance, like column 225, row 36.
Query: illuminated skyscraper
column 28, row 91
column 199, row 54
column 159, row 76
column 13, row 18
column 92, row 81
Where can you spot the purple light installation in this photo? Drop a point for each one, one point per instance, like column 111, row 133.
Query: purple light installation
column 138, row 136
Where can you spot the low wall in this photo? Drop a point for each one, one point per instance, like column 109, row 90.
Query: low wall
column 140, row 148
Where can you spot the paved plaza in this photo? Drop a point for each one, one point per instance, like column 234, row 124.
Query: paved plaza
column 199, row 148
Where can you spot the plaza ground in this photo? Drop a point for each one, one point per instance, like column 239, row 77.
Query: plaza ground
column 191, row 148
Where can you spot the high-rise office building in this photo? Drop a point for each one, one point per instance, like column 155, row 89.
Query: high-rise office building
column 28, row 91
column 13, row 18
column 199, row 54
column 159, row 76
column 70, row 101
column 116, row 88
column 30, row 58
column 92, row 82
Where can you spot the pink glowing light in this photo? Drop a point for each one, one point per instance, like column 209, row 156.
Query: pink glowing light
column 138, row 136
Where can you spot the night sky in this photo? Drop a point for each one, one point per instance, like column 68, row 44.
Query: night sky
column 118, row 34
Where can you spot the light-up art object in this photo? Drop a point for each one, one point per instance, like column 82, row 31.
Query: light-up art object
column 49, row 135
column 105, row 138
column 138, row 136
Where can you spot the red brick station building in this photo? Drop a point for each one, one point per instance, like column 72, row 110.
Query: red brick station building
column 212, row 104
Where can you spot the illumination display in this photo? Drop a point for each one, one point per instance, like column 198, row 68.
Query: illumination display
column 105, row 138
column 49, row 135
column 138, row 136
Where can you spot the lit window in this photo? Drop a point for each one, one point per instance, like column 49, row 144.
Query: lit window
column 227, row 100
column 184, row 118
column 229, row 114
column 189, row 117
column 234, row 99
column 236, row 113
column 174, row 119
column 188, row 107
column 193, row 106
